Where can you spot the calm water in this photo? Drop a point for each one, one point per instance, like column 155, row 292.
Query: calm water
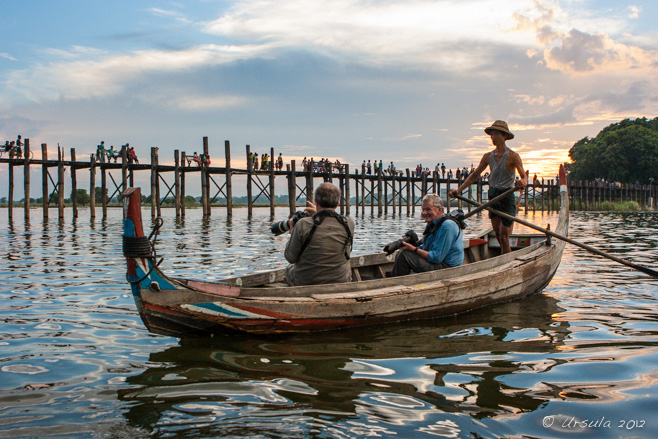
column 76, row 362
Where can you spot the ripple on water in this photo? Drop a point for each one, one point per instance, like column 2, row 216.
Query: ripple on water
column 77, row 362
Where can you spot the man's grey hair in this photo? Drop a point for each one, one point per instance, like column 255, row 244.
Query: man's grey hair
column 434, row 199
column 327, row 195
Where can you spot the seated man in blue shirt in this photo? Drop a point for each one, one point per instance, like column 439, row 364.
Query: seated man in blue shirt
column 442, row 247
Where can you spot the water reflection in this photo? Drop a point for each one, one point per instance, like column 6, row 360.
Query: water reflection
column 77, row 362
column 402, row 374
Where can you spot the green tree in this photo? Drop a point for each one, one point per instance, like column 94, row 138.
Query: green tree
column 626, row 152
column 83, row 197
column 98, row 194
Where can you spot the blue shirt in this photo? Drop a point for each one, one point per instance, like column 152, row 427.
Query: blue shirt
column 445, row 245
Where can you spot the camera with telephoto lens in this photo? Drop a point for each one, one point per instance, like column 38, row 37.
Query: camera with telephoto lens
column 281, row 227
column 457, row 216
column 409, row 237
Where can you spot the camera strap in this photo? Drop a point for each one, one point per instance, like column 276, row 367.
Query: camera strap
column 431, row 228
column 318, row 218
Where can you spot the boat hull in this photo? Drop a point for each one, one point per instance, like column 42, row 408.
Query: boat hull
column 262, row 304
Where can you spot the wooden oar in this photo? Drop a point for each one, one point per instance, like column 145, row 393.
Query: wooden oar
column 641, row 268
column 488, row 203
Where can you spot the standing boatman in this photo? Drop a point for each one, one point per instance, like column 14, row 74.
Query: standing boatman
column 503, row 163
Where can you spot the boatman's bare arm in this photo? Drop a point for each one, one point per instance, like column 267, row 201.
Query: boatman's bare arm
column 484, row 162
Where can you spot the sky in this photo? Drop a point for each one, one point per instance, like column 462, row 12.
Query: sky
column 412, row 82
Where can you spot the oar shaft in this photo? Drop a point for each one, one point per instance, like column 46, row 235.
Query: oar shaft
column 488, row 203
column 641, row 268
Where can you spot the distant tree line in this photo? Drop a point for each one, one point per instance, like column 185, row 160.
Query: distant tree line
column 625, row 152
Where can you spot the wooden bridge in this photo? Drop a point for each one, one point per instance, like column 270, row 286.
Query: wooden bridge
column 377, row 192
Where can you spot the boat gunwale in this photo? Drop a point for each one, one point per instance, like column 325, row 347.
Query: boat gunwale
column 492, row 265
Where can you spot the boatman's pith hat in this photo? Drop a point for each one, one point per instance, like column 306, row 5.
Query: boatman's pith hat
column 500, row 125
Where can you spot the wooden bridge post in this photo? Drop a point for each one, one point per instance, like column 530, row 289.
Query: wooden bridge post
column 229, row 174
column 92, row 186
column 250, row 171
column 74, row 185
column 131, row 173
column 60, row 183
column 372, row 194
column 177, row 182
column 10, row 195
column 346, row 179
column 205, row 198
column 124, row 167
column 423, row 184
column 270, row 164
column 459, row 182
column 155, row 202
column 363, row 190
column 393, row 192
column 44, row 180
column 400, row 183
column 292, row 187
column 447, row 206
column 356, row 191
column 408, row 192
column 413, row 195
column 380, row 201
column 158, row 198
column 383, row 178
column 183, row 166
column 309, row 184
column 26, row 178
column 341, row 188
column 103, row 187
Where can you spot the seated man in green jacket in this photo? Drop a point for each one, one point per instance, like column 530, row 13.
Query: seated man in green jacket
column 320, row 245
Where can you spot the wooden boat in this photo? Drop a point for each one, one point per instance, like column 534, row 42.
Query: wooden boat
column 263, row 303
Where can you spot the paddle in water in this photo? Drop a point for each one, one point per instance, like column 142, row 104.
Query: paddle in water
column 589, row 248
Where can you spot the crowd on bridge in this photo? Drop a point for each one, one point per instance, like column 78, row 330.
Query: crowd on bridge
column 103, row 153
column 14, row 148
column 265, row 161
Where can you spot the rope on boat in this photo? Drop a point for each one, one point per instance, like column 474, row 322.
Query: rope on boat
column 141, row 247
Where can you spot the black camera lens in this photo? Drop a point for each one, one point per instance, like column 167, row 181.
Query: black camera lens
column 280, row 227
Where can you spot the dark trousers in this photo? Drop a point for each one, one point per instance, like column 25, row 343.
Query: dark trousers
column 406, row 262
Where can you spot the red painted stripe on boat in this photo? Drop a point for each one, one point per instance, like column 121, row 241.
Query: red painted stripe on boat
column 163, row 310
column 297, row 322
column 476, row 241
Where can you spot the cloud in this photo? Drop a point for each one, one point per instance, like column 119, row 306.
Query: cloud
column 177, row 16
column 582, row 48
column 402, row 138
column 416, row 33
column 104, row 75
column 634, row 12
column 7, row 56
column 580, row 52
column 183, row 100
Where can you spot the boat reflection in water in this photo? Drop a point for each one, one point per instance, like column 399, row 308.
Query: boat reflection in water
column 416, row 375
